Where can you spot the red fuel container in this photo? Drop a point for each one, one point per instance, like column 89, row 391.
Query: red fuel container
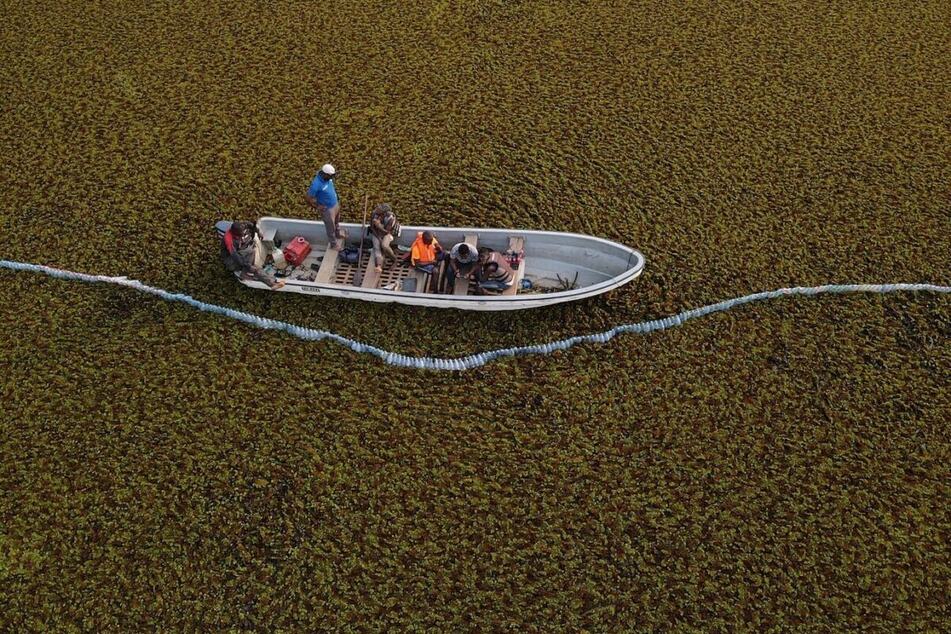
column 297, row 251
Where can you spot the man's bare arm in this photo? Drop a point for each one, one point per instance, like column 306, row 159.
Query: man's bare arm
column 312, row 201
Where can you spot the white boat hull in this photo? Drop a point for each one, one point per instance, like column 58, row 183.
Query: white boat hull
column 596, row 264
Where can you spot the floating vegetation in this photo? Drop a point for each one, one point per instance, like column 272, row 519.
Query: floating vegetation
column 779, row 469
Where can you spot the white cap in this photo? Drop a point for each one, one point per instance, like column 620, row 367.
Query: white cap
column 328, row 169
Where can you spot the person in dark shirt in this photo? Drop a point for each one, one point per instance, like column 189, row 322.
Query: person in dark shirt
column 463, row 261
column 383, row 227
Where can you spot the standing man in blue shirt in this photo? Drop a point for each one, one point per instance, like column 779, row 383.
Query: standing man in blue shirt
column 323, row 197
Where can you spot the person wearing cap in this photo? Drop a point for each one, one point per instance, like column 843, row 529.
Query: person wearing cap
column 426, row 252
column 383, row 226
column 323, row 197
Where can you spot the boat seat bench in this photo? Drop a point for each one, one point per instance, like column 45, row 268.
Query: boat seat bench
column 420, row 277
column 424, row 280
column 268, row 238
column 516, row 243
column 328, row 266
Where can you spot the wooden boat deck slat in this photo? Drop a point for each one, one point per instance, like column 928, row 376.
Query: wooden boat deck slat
column 516, row 243
column 328, row 266
column 392, row 273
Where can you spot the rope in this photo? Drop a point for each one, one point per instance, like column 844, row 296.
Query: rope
column 479, row 359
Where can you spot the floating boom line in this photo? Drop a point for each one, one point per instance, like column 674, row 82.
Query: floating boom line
column 481, row 358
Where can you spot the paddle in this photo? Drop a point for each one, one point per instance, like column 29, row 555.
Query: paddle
column 358, row 277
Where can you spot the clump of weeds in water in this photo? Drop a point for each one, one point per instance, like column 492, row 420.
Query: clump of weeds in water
column 778, row 465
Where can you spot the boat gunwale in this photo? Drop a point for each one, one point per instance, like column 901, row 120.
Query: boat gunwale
column 447, row 301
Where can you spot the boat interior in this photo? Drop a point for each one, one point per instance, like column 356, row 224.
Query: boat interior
column 551, row 262
column 324, row 265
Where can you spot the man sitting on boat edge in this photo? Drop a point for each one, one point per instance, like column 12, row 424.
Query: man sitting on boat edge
column 241, row 253
column 383, row 228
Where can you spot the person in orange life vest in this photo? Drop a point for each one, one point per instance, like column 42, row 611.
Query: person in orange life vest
column 426, row 252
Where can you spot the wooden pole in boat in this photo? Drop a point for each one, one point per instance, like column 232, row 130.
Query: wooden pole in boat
column 358, row 277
